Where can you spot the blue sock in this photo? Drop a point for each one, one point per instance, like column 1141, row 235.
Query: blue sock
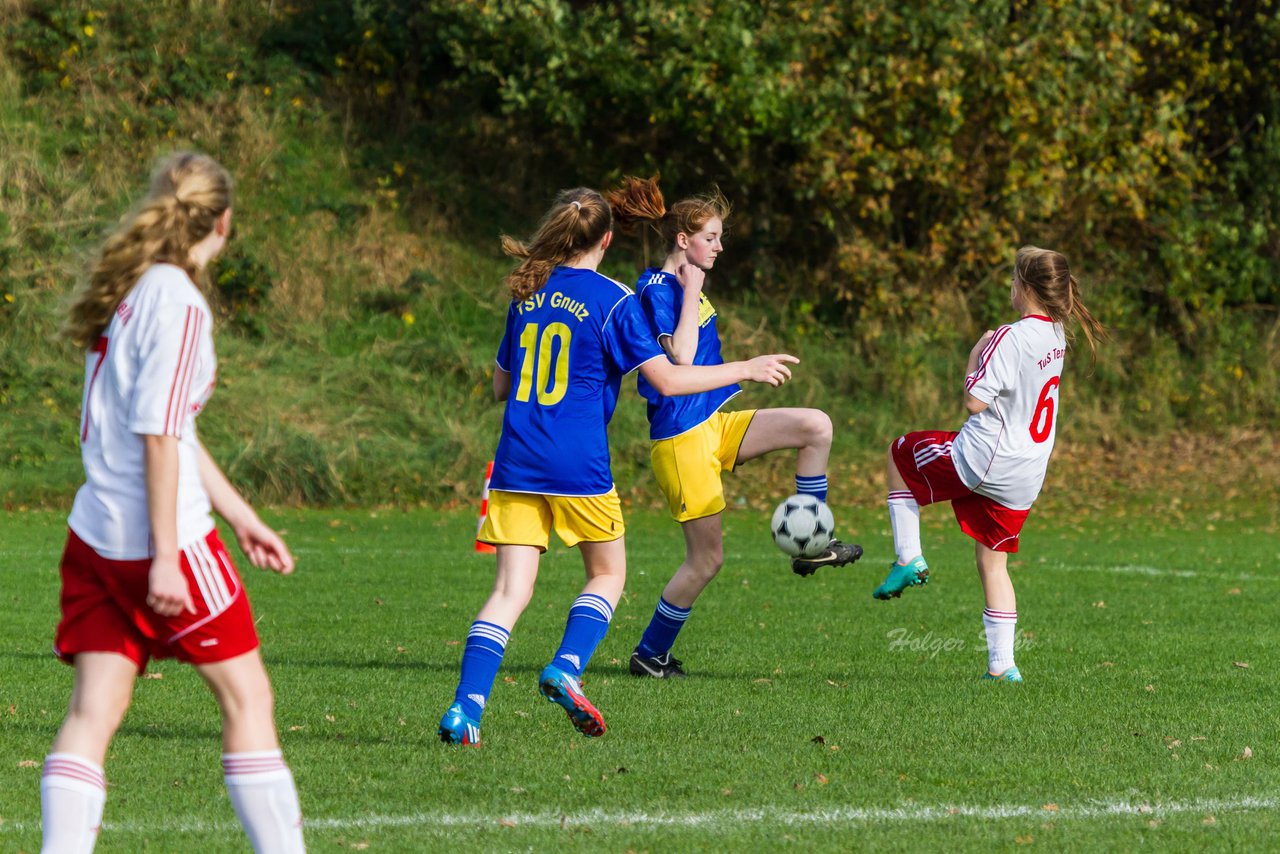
column 588, row 621
column 486, row 644
column 815, row 486
column 660, row 636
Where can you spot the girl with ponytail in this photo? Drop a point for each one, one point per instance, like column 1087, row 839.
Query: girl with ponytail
column 693, row 438
column 144, row 573
column 571, row 335
column 992, row 469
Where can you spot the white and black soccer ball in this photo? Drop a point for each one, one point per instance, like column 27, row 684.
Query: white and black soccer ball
column 803, row 526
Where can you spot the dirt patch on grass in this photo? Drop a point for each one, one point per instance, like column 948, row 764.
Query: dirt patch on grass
column 1185, row 478
column 1184, row 475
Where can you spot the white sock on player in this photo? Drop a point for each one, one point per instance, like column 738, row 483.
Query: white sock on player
column 1001, row 628
column 265, row 800
column 73, row 791
column 904, row 516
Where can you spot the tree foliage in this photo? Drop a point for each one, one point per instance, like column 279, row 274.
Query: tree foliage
column 889, row 156
column 885, row 160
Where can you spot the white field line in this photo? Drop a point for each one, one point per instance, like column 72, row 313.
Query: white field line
column 713, row 821
column 1139, row 569
column 1132, row 569
column 1129, row 569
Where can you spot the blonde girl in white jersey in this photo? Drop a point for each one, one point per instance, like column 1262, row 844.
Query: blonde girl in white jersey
column 992, row 469
column 144, row 573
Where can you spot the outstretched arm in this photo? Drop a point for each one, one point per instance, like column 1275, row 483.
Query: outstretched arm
column 261, row 545
column 674, row 380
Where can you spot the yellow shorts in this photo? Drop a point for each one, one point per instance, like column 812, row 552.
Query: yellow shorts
column 526, row 519
column 687, row 467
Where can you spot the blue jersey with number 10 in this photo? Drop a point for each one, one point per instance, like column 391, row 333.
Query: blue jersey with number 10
column 567, row 348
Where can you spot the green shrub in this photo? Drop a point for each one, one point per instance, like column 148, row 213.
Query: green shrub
column 886, row 159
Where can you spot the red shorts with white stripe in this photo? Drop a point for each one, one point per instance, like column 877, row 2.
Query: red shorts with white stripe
column 104, row 607
column 924, row 461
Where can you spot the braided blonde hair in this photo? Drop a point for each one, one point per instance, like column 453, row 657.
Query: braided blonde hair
column 189, row 191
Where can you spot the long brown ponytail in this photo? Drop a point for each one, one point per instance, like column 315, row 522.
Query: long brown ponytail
column 1046, row 274
column 578, row 220
column 188, row 193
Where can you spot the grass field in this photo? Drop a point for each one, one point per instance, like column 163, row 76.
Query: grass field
column 815, row 718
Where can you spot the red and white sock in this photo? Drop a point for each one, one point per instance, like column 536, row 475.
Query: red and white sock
column 265, row 800
column 73, row 791
column 1001, row 628
column 904, row 516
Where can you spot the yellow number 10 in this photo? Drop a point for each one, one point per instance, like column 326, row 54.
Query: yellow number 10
column 547, row 395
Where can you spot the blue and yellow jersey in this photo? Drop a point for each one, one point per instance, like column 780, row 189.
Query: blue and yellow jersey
column 567, row 348
column 661, row 298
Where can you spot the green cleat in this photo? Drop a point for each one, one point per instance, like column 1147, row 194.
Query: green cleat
column 901, row 577
column 1010, row 675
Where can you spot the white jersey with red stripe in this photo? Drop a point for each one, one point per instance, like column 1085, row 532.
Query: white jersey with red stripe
column 1003, row 451
column 149, row 374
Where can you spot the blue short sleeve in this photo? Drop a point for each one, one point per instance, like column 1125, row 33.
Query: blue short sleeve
column 659, row 306
column 627, row 337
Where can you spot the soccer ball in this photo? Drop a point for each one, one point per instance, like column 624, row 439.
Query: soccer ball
column 803, row 526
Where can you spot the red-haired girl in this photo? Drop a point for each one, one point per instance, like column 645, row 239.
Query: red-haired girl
column 693, row 439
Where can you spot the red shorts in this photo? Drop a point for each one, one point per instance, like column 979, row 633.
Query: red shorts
column 924, row 461
column 104, row 607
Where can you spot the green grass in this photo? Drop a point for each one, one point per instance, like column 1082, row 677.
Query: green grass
column 801, row 724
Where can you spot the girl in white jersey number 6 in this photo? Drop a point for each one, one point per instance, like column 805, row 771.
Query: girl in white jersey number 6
column 144, row 574
column 992, row 469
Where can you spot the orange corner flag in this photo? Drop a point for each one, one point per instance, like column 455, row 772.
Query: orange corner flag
column 484, row 548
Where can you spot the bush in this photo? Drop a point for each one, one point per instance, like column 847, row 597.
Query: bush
column 885, row 160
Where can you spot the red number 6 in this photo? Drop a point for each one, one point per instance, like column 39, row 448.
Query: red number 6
column 1042, row 419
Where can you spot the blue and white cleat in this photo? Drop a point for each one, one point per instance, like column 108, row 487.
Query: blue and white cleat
column 901, row 577
column 565, row 691
column 457, row 728
column 1010, row 675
